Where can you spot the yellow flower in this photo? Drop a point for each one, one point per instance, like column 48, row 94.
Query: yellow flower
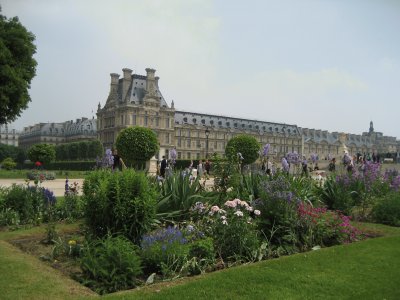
column 72, row 242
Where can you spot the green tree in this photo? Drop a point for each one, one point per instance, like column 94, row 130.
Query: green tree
column 246, row 145
column 17, row 154
column 17, row 68
column 136, row 145
column 45, row 153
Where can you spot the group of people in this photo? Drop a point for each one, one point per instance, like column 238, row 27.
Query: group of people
column 164, row 168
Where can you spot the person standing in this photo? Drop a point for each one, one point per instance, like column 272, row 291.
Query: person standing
column 200, row 169
column 207, row 167
column 118, row 163
column 163, row 167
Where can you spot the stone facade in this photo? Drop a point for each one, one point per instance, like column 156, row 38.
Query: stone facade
column 8, row 136
column 136, row 100
column 57, row 133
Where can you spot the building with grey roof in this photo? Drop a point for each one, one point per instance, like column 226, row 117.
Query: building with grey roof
column 136, row 100
column 56, row 133
column 8, row 136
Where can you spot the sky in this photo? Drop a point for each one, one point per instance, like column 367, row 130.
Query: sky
column 331, row 65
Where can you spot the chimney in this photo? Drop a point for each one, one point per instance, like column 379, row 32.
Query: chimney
column 114, row 82
column 126, row 82
column 151, row 82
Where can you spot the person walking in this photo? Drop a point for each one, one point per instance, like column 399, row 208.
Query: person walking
column 163, row 167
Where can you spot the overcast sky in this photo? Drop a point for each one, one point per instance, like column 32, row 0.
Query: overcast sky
column 332, row 65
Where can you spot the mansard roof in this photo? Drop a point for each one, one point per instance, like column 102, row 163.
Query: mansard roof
column 137, row 90
column 82, row 126
column 319, row 136
column 206, row 120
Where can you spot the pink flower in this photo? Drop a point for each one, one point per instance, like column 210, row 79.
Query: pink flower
column 257, row 212
column 214, row 208
column 230, row 204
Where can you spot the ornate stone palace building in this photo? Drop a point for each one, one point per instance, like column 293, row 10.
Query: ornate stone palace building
column 136, row 100
column 57, row 133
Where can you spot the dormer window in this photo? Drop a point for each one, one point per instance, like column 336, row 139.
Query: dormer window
column 185, row 119
column 194, row 120
column 203, row 121
column 211, row 122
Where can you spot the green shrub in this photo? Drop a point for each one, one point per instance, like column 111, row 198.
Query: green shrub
column 71, row 208
column 26, row 204
column 120, row 202
column 387, row 210
column 177, row 194
column 232, row 228
column 247, row 145
column 136, row 145
column 335, row 195
column 165, row 251
column 9, row 217
column 110, row 264
column 8, row 163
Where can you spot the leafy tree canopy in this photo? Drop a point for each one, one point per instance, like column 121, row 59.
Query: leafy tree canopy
column 246, row 145
column 137, row 144
column 17, row 68
column 45, row 153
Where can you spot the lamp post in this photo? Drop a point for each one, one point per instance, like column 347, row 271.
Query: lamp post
column 207, row 134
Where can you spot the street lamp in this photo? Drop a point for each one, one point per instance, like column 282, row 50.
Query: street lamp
column 207, row 134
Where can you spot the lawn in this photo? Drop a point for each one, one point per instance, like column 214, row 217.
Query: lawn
column 363, row 270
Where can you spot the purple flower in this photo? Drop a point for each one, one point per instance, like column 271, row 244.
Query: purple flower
column 172, row 155
column 266, row 149
column 285, row 165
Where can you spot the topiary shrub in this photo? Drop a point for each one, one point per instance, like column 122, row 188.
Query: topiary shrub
column 387, row 210
column 120, row 202
column 136, row 145
column 246, row 145
column 44, row 153
column 110, row 265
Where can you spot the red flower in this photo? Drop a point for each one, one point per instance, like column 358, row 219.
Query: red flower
column 38, row 164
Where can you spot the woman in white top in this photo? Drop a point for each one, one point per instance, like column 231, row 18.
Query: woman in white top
column 200, row 169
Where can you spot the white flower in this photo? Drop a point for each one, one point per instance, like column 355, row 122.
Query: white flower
column 224, row 222
column 223, row 218
column 257, row 212
column 239, row 213
column 249, row 208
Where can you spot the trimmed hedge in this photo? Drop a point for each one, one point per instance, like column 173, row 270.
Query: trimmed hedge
column 63, row 165
column 181, row 164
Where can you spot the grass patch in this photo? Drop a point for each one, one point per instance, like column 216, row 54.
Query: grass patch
column 25, row 277
column 363, row 270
